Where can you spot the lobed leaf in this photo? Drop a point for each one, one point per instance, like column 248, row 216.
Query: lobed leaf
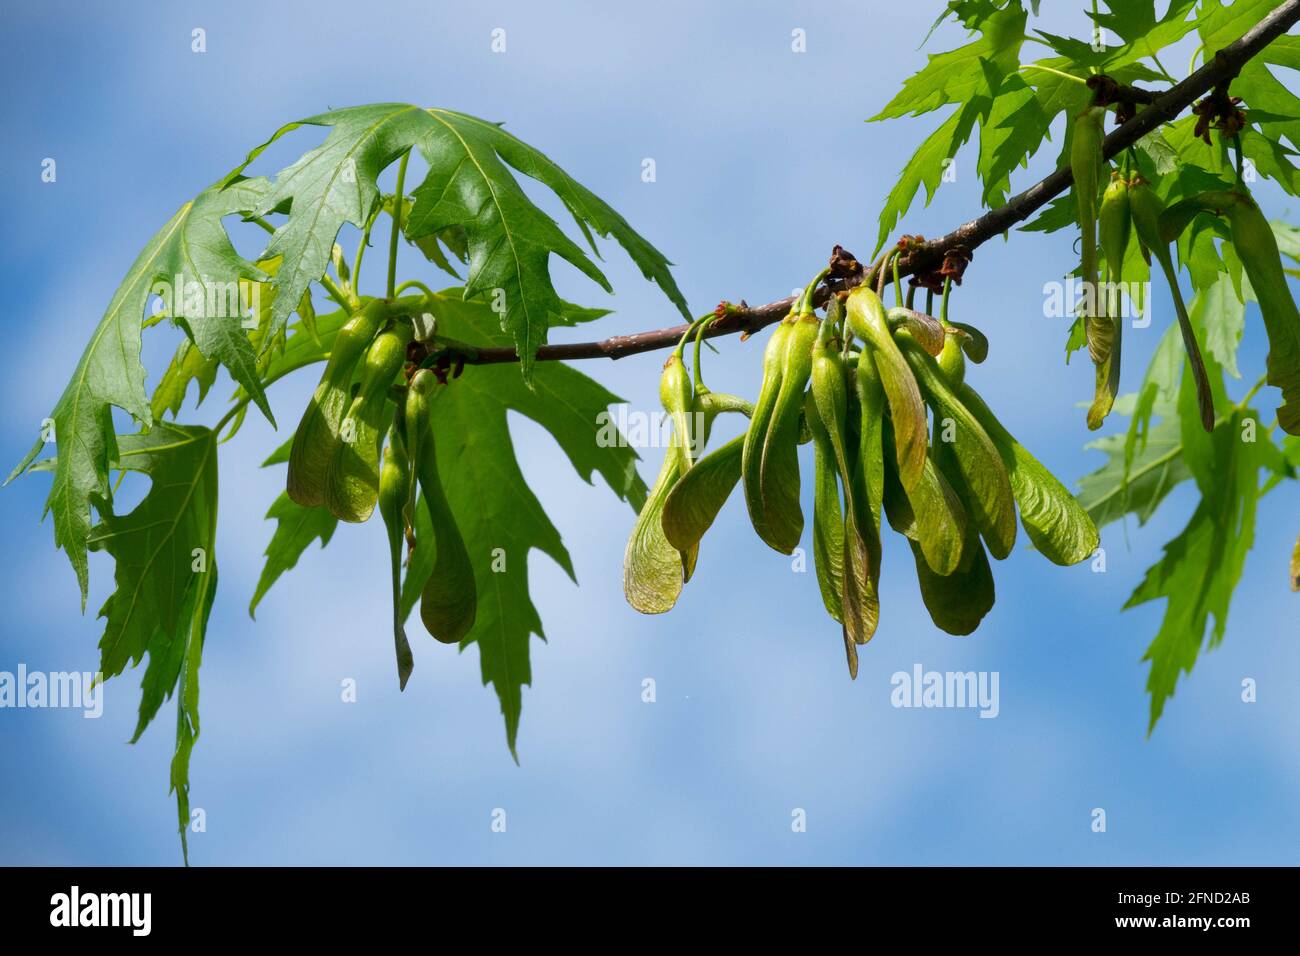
column 497, row 513
column 469, row 189
column 193, row 245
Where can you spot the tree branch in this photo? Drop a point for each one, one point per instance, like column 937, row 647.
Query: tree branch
column 927, row 256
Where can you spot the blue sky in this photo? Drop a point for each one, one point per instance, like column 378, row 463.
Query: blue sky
column 763, row 163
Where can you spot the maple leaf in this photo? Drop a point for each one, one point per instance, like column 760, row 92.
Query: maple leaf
column 1202, row 565
column 296, row 528
column 194, row 248
column 166, row 576
column 1143, row 33
column 469, row 189
column 959, row 75
column 498, row 515
column 971, row 76
column 493, row 504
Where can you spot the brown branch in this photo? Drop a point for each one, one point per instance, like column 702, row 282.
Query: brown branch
column 927, row 256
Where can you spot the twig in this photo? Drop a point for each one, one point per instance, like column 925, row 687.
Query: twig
column 928, row 256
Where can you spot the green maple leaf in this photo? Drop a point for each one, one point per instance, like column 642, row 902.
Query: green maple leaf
column 972, row 76
column 192, row 244
column 1158, row 150
column 959, row 75
column 1220, row 24
column 1055, row 216
column 1015, row 128
column 1056, row 93
column 1272, row 158
column 1143, row 33
column 1147, row 462
column 1078, row 53
column 926, row 167
column 166, row 577
column 494, row 507
column 1222, row 315
column 1202, row 565
column 469, row 187
column 1134, row 485
column 296, row 528
column 1264, row 94
column 154, row 545
column 188, row 365
column 187, row 709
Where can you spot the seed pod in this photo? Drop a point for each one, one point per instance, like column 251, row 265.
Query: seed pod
column 705, row 405
column 862, row 552
column 833, row 536
column 959, row 601
column 652, row 567
column 779, row 468
column 317, row 438
column 1146, row 209
column 653, row 570
column 1256, row 246
column 352, row 482
column 828, row 517
column 1085, row 162
column 829, row 396
column 699, row 495
column 974, row 343
column 1057, row 524
column 395, row 481
column 931, row 514
column 952, row 361
column 869, row 472
column 752, row 454
column 718, row 403
column 675, row 396
column 449, row 601
column 1106, row 339
column 985, row 488
column 867, row 321
column 1115, row 223
column 925, row 329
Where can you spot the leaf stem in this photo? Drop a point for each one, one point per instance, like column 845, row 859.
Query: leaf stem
column 1254, row 390
column 806, row 300
column 361, row 251
column 1049, row 69
column 691, row 329
column 336, row 293
column 398, row 198
column 413, row 284
column 1165, row 73
column 697, row 379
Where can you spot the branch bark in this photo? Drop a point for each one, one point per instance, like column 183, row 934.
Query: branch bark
column 1223, row 66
